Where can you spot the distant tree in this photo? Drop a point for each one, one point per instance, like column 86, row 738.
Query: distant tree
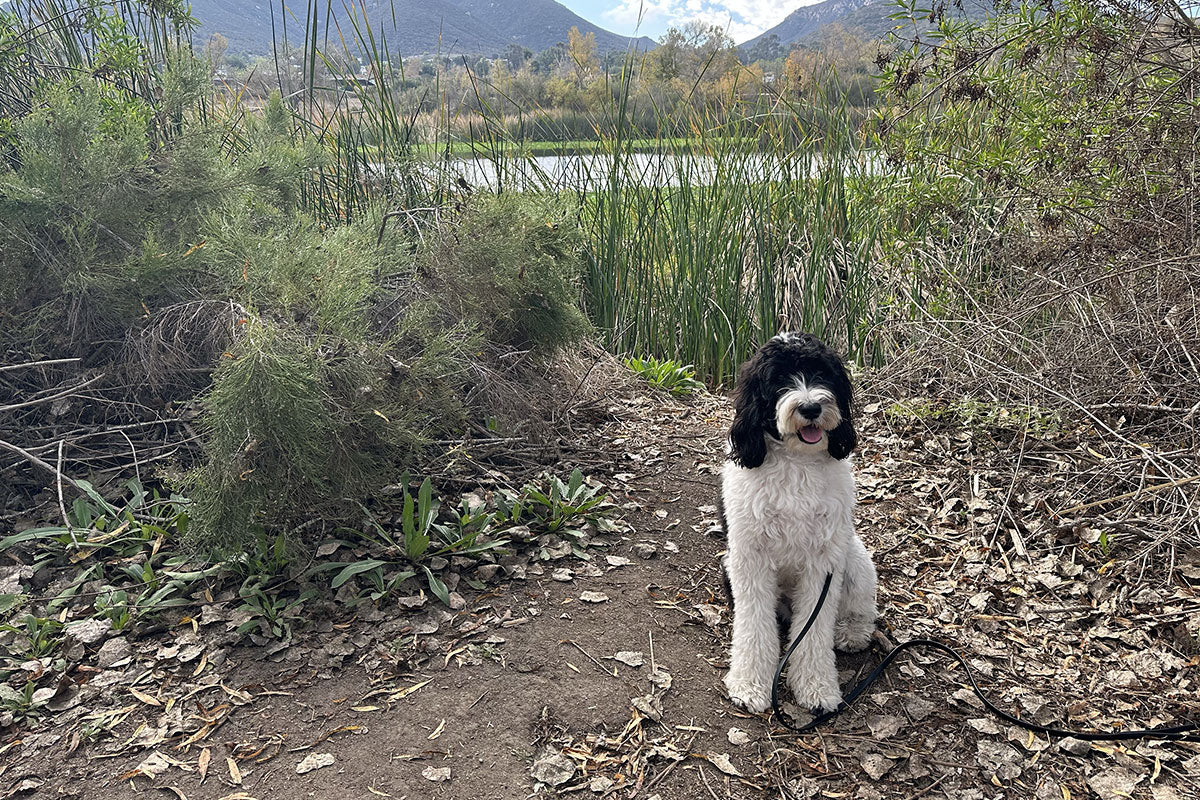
column 667, row 61
column 214, row 50
column 769, row 48
column 545, row 62
column 695, row 51
column 516, row 55
column 482, row 67
column 581, row 50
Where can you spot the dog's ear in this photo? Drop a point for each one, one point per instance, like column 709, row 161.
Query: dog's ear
column 753, row 415
column 842, row 439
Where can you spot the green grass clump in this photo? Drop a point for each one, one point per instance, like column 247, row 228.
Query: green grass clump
column 980, row 415
column 300, row 425
column 665, row 374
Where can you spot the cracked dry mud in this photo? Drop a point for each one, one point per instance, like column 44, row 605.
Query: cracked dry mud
column 603, row 678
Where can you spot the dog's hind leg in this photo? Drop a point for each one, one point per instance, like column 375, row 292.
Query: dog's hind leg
column 856, row 606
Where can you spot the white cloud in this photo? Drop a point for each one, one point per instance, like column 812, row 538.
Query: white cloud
column 742, row 19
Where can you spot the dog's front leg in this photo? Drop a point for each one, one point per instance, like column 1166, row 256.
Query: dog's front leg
column 812, row 669
column 755, row 650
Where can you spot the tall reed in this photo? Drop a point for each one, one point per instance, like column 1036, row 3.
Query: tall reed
column 718, row 247
column 696, row 250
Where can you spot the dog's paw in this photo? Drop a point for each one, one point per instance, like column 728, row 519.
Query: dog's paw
column 748, row 695
column 817, row 695
column 853, row 634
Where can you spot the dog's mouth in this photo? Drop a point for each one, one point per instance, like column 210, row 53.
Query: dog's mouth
column 810, row 433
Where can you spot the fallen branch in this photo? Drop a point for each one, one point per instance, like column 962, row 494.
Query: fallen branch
column 1129, row 495
column 64, row 393
column 32, row 364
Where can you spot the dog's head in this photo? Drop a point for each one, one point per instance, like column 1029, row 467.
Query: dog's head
column 796, row 390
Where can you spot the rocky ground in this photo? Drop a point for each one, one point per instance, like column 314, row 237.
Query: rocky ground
column 602, row 677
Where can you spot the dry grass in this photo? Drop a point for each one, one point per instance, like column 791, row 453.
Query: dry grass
column 1098, row 372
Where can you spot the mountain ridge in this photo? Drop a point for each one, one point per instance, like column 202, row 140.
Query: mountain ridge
column 411, row 27
column 871, row 19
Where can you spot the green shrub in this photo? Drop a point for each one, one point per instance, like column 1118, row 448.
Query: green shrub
column 512, row 266
column 1079, row 117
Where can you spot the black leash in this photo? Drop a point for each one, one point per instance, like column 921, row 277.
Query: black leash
column 1179, row 733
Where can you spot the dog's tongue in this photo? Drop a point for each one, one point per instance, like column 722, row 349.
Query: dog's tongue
column 810, row 434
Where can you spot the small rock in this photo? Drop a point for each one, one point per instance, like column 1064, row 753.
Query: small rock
column 985, row 725
column 630, row 658
column 553, row 770
column 1076, row 747
column 412, row 601
column 113, row 653
column 593, row 597
column 738, row 737
column 315, row 761
column 670, row 547
column 88, row 632
column 645, row 550
column 436, row 774
column 487, row 572
column 601, row 784
column 12, row 576
column 457, row 601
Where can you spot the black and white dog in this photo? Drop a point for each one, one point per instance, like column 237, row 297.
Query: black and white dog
column 788, row 502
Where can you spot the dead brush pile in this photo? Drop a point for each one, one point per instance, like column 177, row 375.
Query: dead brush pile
column 1053, row 155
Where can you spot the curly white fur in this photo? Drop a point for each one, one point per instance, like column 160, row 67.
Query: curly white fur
column 789, row 523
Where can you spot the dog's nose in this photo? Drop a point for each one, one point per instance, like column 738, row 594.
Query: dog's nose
column 809, row 410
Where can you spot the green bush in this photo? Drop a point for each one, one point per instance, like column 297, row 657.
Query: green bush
column 512, row 265
column 182, row 259
column 1077, row 117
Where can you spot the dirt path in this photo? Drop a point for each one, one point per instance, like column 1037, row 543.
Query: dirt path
column 520, row 693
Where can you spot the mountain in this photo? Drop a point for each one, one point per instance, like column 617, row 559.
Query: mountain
column 411, row 27
column 868, row 18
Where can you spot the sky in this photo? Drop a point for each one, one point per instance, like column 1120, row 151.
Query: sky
column 742, row 19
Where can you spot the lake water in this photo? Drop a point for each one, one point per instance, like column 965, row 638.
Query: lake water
column 584, row 171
